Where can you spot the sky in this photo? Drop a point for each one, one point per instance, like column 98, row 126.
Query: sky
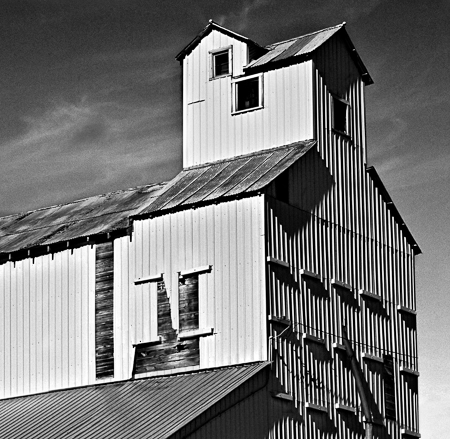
column 90, row 102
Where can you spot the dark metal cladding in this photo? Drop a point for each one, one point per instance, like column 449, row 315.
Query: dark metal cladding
column 145, row 408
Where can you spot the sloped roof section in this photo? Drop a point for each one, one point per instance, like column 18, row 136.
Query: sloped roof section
column 90, row 216
column 146, row 408
column 210, row 27
column 294, row 49
column 224, row 179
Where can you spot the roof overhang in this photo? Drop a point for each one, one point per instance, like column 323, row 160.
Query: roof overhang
column 393, row 209
column 300, row 49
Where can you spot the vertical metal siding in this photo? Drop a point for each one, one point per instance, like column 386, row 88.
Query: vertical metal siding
column 229, row 236
column 339, row 227
column 211, row 132
column 47, row 324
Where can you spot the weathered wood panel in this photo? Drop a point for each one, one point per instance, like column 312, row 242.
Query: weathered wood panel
column 188, row 303
column 104, row 310
column 169, row 353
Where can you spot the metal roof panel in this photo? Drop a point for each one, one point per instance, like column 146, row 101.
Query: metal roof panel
column 151, row 407
column 89, row 216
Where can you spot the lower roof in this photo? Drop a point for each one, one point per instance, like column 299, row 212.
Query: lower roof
column 107, row 213
column 145, row 408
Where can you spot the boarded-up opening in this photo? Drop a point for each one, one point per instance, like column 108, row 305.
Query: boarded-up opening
column 188, row 305
column 104, row 330
column 169, row 353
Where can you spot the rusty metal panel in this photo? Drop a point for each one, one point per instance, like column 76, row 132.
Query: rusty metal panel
column 155, row 407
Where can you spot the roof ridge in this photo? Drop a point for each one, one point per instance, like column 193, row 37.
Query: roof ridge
column 273, row 45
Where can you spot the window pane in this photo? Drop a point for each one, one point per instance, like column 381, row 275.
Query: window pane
column 221, row 65
column 247, row 94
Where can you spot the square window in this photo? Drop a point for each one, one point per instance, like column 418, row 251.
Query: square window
column 340, row 115
column 221, row 63
column 247, row 94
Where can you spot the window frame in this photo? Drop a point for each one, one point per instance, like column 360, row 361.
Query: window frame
column 334, row 99
column 234, row 93
column 212, row 66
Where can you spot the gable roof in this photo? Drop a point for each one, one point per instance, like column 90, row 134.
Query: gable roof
column 295, row 49
column 225, row 179
column 144, row 408
column 286, row 52
column 111, row 212
column 210, row 27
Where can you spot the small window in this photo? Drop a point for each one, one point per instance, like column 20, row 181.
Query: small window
column 220, row 63
column 340, row 108
column 247, row 94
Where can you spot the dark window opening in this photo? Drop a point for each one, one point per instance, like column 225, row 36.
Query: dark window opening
column 282, row 187
column 221, row 64
column 339, row 115
column 389, row 386
column 247, row 94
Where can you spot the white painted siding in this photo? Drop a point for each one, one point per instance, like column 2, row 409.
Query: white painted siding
column 211, row 132
column 228, row 236
column 47, row 322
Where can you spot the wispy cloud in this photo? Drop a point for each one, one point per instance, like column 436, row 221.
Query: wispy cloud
column 72, row 147
column 242, row 18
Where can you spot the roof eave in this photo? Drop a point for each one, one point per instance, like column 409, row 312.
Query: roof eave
column 367, row 79
column 392, row 207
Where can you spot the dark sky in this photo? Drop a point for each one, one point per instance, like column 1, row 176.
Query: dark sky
column 90, row 99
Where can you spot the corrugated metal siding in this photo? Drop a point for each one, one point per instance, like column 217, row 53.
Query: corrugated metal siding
column 211, row 132
column 47, row 322
column 339, row 226
column 229, row 236
column 154, row 408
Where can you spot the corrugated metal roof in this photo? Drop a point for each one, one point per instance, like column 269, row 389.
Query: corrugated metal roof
column 227, row 178
column 90, row 216
column 111, row 212
column 295, row 47
column 291, row 50
column 145, row 408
